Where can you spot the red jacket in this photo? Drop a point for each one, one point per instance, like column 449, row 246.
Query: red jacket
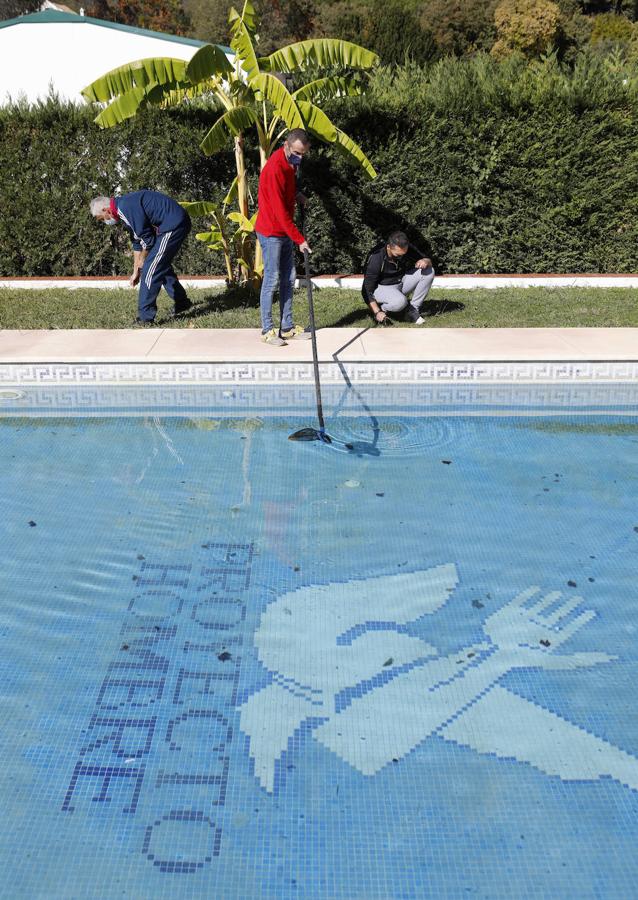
column 276, row 199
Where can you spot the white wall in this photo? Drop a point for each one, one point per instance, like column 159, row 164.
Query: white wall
column 70, row 56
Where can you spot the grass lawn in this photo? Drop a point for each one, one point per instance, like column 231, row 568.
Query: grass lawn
column 479, row 308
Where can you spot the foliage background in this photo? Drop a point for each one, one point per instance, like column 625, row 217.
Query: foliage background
column 419, row 30
column 491, row 166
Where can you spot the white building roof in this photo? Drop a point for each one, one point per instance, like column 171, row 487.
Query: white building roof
column 68, row 52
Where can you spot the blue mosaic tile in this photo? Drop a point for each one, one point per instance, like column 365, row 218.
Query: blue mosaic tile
column 236, row 667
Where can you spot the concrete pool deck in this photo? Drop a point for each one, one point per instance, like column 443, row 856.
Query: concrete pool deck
column 347, row 344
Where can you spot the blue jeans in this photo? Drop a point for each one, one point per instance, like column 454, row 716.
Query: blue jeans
column 279, row 265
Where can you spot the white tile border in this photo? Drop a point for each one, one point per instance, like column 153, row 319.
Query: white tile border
column 261, row 373
column 281, row 400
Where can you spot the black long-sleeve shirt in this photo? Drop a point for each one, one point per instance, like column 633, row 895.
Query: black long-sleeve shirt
column 380, row 269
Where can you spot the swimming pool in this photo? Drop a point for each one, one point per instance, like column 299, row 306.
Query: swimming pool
column 237, row 667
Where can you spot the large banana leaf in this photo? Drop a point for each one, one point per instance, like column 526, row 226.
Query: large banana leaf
column 139, row 74
column 273, row 90
column 248, row 16
column 317, row 122
column 242, row 44
column 354, row 153
column 324, row 53
column 208, row 61
column 123, row 108
column 213, row 239
column 172, row 95
column 245, row 224
column 197, row 208
column 234, row 121
column 327, row 88
column 127, row 105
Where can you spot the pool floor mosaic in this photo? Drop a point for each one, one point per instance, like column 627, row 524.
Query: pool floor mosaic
column 237, row 667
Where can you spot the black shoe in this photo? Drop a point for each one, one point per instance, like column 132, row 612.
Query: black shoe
column 143, row 323
column 181, row 309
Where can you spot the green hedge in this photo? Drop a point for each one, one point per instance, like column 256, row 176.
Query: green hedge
column 53, row 160
column 494, row 168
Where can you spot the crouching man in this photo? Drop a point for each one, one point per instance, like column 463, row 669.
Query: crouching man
column 158, row 227
column 393, row 271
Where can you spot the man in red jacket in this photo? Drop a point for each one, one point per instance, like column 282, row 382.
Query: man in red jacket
column 277, row 235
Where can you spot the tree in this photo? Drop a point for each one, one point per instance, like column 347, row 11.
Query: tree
column 283, row 21
column 627, row 8
column 389, row 27
column 460, row 26
column 167, row 16
column 575, row 29
column 209, row 19
column 612, row 32
column 531, row 27
column 10, row 9
column 249, row 94
column 347, row 18
column 396, row 34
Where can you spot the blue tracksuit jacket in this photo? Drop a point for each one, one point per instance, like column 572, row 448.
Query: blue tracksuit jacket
column 147, row 214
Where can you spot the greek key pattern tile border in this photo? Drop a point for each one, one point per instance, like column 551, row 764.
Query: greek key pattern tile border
column 190, row 373
column 274, row 400
column 100, row 389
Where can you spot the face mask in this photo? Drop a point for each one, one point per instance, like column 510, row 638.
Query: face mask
column 110, row 221
column 295, row 159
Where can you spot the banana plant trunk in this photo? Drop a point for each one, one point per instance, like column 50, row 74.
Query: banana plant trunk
column 246, row 253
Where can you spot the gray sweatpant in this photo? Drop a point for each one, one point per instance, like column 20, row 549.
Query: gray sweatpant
column 393, row 298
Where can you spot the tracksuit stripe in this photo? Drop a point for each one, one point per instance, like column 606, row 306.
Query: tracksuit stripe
column 158, row 256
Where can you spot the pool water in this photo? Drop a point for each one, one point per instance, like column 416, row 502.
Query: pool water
column 233, row 666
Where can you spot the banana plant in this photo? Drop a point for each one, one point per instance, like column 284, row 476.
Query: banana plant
column 250, row 93
column 234, row 245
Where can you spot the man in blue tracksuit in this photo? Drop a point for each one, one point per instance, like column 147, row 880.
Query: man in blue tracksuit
column 158, row 226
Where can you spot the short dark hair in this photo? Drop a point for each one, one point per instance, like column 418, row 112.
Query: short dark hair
column 298, row 134
column 398, row 239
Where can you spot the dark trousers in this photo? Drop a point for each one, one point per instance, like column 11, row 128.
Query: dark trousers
column 158, row 273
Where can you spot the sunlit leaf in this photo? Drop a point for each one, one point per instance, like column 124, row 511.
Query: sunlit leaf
column 249, row 16
column 209, row 60
column 244, row 223
column 167, row 95
column 232, row 193
column 328, row 88
column 139, row 74
column 197, row 208
column 242, row 44
column 323, row 53
column 232, row 123
column 122, row 108
column 317, row 122
column 274, row 91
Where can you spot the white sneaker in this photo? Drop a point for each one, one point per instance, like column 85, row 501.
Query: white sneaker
column 413, row 317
